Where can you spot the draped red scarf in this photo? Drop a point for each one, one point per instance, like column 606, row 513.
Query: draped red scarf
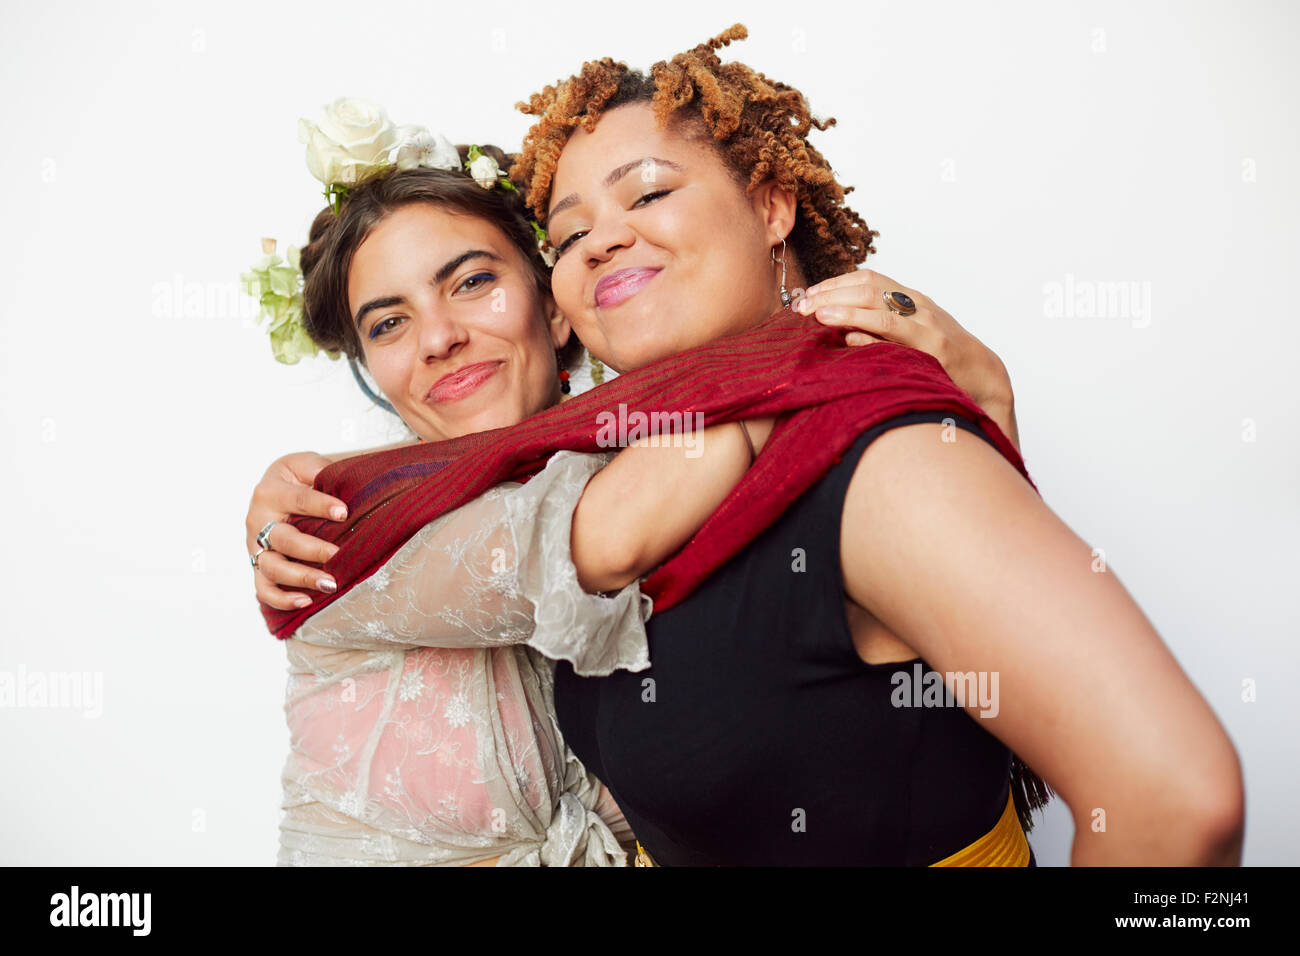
column 789, row 365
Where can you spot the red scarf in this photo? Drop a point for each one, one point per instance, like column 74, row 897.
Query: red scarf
column 826, row 394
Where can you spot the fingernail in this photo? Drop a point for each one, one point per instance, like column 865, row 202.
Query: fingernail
column 301, row 601
column 338, row 512
column 327, row 585
column 804, row 306
column 830, row 312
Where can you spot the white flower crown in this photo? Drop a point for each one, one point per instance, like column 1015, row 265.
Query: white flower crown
column 354, row 142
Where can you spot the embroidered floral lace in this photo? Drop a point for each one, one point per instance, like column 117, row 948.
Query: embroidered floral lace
column 420, row 709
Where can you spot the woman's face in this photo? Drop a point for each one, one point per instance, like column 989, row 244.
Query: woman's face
column 452, row 326
column 660, row 248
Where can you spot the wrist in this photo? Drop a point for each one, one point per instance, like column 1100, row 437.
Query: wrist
column 999, row 394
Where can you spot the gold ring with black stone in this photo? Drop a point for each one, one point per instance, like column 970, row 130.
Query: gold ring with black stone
column 900, row 302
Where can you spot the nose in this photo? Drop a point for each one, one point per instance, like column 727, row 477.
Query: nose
column 440, row 336
column 606, row 238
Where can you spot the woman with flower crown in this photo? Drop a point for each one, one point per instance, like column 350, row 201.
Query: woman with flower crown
column 766, row 732
column 403, row 752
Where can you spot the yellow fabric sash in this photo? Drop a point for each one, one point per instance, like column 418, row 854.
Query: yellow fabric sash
column 1004, row 845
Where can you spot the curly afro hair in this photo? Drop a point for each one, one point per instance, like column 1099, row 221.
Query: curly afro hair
column 759, row 128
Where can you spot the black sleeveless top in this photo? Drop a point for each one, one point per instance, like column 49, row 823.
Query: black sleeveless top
column 760, row 737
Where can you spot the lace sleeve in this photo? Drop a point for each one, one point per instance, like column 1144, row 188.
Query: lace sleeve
column 496, row 571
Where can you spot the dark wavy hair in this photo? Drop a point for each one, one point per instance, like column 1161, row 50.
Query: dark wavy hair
column 333, row 241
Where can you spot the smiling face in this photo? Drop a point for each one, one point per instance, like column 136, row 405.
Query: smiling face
column 660, row 248
column 452, row 325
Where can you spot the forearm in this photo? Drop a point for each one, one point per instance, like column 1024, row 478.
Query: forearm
column 648, row 502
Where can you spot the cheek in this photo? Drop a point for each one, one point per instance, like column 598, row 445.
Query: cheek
column 526, row 339
column 390, row 369
column 566, row 285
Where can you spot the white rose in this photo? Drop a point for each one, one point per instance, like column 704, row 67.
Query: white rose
column 351, row 142
column 485, row 171
column 416, row 146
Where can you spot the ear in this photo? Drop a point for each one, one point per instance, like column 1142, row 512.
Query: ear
column 777, row 207
column 557, row 323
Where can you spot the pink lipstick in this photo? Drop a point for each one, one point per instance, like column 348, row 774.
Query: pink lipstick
column 456, row 385
column 621, row 285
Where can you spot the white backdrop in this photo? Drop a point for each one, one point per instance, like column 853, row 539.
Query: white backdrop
column 1014, row 156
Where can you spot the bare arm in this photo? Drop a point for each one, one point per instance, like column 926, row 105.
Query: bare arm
column 649, row 501
column 948, row 545
column 499, row 570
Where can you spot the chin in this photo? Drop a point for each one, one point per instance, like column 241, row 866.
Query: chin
column 644, row 351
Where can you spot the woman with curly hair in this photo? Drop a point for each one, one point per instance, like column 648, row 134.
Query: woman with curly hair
column 422, row 727
column 884, row 559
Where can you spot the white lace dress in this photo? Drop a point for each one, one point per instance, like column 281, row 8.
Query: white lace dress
column 420, row 709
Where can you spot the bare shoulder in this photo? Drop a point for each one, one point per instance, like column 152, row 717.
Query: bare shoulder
column 917, row 463
column 947, row 544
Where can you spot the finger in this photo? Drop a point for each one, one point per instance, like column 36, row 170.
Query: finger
column 282, row 600
column 304, row 465
column 285, row 572
column 862, row 295
column 289, row 541
column 866, row 290
column 306, row 500
column 881, row 322
column 275, row 500
column 847, row 279
column 860, row 338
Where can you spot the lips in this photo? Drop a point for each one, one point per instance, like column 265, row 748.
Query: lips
column 463, row 382
column 620, row 286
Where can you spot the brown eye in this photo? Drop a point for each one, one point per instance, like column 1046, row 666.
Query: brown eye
column 476, row 281
column 559, row 251
column 650, row 197
column 382, row 326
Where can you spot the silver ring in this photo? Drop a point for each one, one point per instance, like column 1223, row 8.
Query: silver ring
column 264, row 536
column 253, row 557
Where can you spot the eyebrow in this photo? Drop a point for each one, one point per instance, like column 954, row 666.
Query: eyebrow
column 611, row 179
column 439, row 277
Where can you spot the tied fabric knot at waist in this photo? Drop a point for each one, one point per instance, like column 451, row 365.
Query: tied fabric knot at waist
column 576, row 836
